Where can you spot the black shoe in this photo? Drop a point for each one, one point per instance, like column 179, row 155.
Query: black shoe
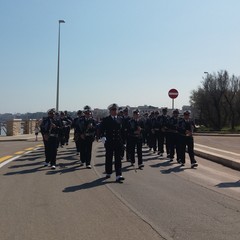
column 141, row 166
column 121, row 178
column 193, row 165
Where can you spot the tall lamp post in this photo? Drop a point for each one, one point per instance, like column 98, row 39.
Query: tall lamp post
column 57, row 100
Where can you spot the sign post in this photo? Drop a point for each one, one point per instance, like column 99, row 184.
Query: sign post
column 173, row 93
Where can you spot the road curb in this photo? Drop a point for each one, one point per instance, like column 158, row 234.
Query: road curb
column 12, row 140
column 228, row 162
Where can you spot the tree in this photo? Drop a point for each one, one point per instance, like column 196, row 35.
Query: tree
column 231, row 100
column 217, row 100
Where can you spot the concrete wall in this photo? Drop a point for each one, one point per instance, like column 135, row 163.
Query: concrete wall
column 29, row 126
column 14, row 127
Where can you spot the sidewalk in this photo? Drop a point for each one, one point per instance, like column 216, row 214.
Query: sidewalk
column 220, row 148
column 22, row 137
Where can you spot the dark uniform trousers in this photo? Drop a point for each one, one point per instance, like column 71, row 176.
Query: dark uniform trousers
column 45, row 146
column 152, row 140
column 135, row 142
column 50, row 137
column 85, row 147
column 77, row 143
column 67, row 133
column 163, row 139
column 113, row 148
column 125, row 138
column 112, row 129
column 187, row 141
column 51, row 150
column 174, row 144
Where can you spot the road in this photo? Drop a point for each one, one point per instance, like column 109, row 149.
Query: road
column 163, row 201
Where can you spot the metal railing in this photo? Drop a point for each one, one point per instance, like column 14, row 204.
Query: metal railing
column 3, row 128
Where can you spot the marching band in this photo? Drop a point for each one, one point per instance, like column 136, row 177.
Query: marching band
column 120, row 133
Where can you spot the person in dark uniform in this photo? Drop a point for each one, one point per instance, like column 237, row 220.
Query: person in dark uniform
column 186, row 127
column 69, row 121
column 42, row 130
column 50, row 131
column 125, row 120
column 120, row 112
column 174, row 138
column 144, row 131
column 150, row 127
column 58, row 118
column 61, row 134
column 66, row 126
column 135, row 138
column 75, row 126
column 124, row 134
column 156, row 128
column 86, row 129
column 111, row 128
column 164, row 138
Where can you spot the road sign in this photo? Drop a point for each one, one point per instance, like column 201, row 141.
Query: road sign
column 173, row 93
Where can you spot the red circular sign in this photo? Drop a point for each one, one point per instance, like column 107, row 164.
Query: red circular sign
column 173, row 93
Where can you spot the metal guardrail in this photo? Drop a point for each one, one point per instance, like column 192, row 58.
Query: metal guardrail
column 3, row 128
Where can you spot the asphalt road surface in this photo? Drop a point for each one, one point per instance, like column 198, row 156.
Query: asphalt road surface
column 163, row 201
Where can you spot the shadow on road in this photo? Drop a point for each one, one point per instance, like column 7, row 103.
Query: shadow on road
column 228, row 184
column 26, row 171
column 99, row 164
column 161, row 164
column 66, row 168
column 26, row 165
column 95, row 183
column 100, row 156
column 174, row 169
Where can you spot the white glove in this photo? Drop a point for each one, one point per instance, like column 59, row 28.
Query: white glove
column 103, row 140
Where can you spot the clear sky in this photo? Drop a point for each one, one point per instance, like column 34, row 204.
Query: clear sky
column 131, row 52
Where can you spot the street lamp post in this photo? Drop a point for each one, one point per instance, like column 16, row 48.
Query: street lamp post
column 206, row 73
column 57, row 100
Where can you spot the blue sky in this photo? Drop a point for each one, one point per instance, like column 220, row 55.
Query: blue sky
column 131, row 52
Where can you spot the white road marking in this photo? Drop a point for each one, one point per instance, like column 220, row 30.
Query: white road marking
column 216, row 149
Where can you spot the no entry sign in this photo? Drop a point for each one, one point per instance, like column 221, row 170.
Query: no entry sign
column 173, row 93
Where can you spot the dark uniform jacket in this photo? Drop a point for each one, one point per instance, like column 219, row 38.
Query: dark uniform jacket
column 135, row 128
column 112, row 129
column 164, row 121
column 86, row 127
column 186, row 127
column 173, row 124
column 47, row 128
